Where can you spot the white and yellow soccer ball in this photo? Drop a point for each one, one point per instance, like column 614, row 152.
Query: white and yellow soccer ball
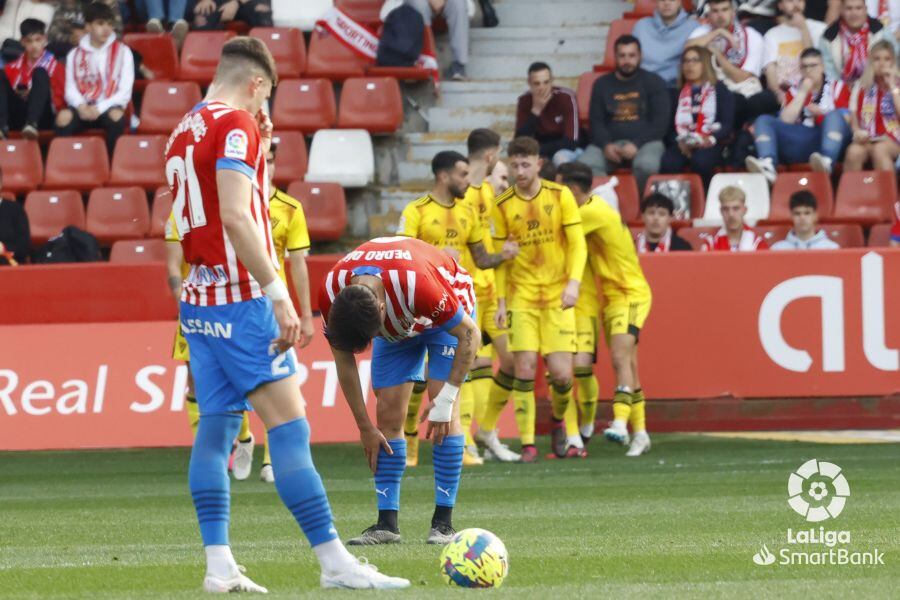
column 474, row 558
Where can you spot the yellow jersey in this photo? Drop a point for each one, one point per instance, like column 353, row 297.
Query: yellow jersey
column 611, row 250
column 443, row 227
column 481, row 200
column 173, row 237
column 289, row 232
column 588, row 294
column 551, row 242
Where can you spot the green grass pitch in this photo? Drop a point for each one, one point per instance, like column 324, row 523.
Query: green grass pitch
column 682, row 521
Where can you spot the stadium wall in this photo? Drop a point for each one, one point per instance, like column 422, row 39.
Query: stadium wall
column 771, row 340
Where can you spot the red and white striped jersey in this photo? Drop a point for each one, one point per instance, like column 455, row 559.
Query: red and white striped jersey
column 750, row 241
column 216, row 136
column 423, row 287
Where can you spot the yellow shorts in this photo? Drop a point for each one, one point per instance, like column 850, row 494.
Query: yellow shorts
column 625, row 314
column 543, row 330
column 485, row 309
column 586, row 332
column 180, row 350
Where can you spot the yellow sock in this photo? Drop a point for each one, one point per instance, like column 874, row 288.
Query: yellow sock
column 523, row 399
column 193, row 413
column 571, row 418
column 587, row 394
column 560, row 399
column 267, row 458
column 244, row 433
column 411, row 425
column 501, row 388
column 481, row 380
column 637, row 419
column 466, row 408
column 622, row 405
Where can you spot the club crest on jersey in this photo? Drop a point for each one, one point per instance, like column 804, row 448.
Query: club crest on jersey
column 548, row 208
column 236, row 144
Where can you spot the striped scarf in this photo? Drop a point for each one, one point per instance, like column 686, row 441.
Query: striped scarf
column 23, row 70
column 855, row 47
column 92, row 84
column 696, row 110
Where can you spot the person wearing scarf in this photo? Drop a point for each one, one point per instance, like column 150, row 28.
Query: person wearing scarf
column 847, row 42
column 704, row 112
column 99, row 79
column 32, row 87
column 873, row 113
column 734, row 235
column 657, row 236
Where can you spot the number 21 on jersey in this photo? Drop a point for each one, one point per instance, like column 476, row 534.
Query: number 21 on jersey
column 182, row 178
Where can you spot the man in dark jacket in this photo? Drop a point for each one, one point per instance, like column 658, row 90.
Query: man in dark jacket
column 549, row 114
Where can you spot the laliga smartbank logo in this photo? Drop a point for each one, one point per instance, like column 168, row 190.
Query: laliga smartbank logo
column 817, row 491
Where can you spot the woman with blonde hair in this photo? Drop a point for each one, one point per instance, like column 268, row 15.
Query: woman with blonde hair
column 873, row 112
column 704, row 116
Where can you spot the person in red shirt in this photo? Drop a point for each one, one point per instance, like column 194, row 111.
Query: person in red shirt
column 735, row 235
column 549, row 114
column 32, row 87
column 873, row 113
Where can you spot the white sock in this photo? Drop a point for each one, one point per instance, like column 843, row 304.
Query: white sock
column 620, row 424
column 587, row 430
column 220, row 562
column 333, row 556
column 574, row 440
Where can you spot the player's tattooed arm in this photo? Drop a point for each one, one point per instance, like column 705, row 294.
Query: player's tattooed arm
column 485, row 260
column 469, row 338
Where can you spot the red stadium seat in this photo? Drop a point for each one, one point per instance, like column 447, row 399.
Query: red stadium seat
column 616, row 28
column 138, row 251
column 866, row 197
column 329, row 58
column 159, row 55
column 846, row 235
column 49, row 212
column 645, row 8
column 788, row 183
column 371, row 103
column 159, row 212
column 165, row 103
column 324, row 206
column 23, row 168
column 366, row 12
column 408, row 73
column 629, row 201
column 287, row 47
column 200, row 55
column 139, row 160
column 304, row 105
column 118, row 214
column 773, row 233
column 692, row 235
column 698, row 196
column 290, row 157
column 880, row 235
column 80, row 163
column 583, row 95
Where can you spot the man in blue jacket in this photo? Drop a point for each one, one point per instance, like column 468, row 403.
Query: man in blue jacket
column 663, row 36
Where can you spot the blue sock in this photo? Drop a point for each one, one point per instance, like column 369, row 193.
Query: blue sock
column 208, row 475
column 298, row 483
column 388, row 475
column 447, row 459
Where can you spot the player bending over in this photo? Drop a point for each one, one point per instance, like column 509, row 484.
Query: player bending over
column 239, row 321
column 627, row 300
column 413, row 299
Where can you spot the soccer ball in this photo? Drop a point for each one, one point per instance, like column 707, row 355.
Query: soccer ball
column 474, row 558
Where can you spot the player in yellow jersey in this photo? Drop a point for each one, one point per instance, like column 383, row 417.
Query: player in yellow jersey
column 537, row 291
column 445, row 221
column 627, row 299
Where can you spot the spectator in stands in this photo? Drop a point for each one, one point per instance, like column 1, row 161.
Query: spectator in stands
column 873, row 112
column 662, row 36
column 99, row 79
column 456, row 13
column 158, row 11
column 15, row 233
column 32, row 87
column 216, row 14
column 657, row 236
column 67, row 27
column 804, row 236
column 812, row 126
column 549, row 114
column 735, row 235
column 15, row 12
column 499, row 178
column 888, row 12
column 629, row 116
column 704, row 114
column 847, row 42
column 784, row 43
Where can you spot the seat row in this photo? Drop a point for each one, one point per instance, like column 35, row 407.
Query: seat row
column 846, row 235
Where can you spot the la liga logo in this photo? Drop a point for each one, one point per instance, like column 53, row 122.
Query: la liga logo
column 818, row 490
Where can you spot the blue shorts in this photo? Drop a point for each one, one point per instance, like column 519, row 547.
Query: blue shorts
column 232, row 352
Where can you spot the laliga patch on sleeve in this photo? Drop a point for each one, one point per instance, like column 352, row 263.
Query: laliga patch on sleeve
column 236, row 144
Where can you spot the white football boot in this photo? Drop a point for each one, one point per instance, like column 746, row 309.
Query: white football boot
column 617, row 432
column 238, row 583
column 360, row 575
column 243, row 459
column 267, row 474
column 494, row 449
column 639, row 445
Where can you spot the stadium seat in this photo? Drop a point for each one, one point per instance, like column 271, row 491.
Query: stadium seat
column 138, row 251
column 329, row 58
column 371, row 103
column 755, row 187
column 866, row 197
column 692, row 235
column 773, row 233
column 698, row 200
column 788, row 183
column 303, row 14
column 627, row 192
column 366, row 12
column 290, row 157
column 408, row 73
column 80, row 163
column 879, row 235
column 287, row 47
column 200, row 55
column 583, row 96
column 343, row 156
column 846, row 235
column 165, row 103
column 159, row 212
column 49, row 212
column 159, row 54
column 645, row 8
column 118, row 214
column 324, row 207
column 616, row 28
column 139, row 160
column 304, row 105
column 23, row 168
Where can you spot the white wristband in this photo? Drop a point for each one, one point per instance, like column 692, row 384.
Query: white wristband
column 276, row 290
column 443, row 404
